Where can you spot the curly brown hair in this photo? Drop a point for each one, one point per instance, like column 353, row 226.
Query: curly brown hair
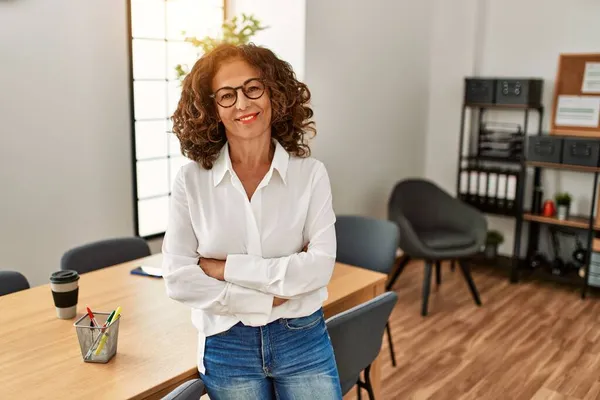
column 196, row 123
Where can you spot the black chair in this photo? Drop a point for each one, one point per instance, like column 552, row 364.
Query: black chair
column 356, row 336
column 104, row 253
column 435, row 226
column 189, row 390
column 368, row 243
column 11, row 282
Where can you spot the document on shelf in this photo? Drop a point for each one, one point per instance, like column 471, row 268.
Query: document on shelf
column 578, row 111
column 591, row 78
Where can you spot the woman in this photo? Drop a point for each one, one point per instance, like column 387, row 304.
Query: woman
column 250, row 243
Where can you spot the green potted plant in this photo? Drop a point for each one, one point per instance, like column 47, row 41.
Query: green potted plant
column 563, row 204
column 234, row 31
column 492, row 241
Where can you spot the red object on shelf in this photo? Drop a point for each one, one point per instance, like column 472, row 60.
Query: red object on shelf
column 549, row 209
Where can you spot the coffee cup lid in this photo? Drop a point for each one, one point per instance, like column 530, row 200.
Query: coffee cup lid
column 64, row 276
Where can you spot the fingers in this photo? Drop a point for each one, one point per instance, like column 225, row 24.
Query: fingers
column 278, row 301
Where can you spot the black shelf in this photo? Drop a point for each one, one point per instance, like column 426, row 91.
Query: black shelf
column 492, row 106
column 582, row 222
column 510, row 167
column 492, row 159
column 489, row 209
column 519, row 167
column 566, row 167
column 573, row 221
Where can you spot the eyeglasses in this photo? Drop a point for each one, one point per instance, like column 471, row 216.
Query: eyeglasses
column 227, row 96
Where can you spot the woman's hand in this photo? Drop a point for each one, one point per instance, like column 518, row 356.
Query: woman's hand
column 278, row 301
column 213, row 268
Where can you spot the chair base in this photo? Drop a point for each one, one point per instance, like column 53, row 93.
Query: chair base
column 365, row 385
column 464, row 267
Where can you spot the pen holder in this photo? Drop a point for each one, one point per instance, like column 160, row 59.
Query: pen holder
column 91, row 338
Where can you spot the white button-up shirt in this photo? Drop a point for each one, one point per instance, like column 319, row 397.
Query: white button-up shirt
column 261, row 239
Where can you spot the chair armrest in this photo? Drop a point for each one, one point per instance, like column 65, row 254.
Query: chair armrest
column 409, row 240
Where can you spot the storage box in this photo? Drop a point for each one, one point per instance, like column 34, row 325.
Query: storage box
column 547, row 149
column 519, row 91
column 581, row 151
column 594, row 280
column 479, row 90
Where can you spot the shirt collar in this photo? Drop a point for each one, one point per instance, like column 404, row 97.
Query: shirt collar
column 280, row 162
column 223, row 163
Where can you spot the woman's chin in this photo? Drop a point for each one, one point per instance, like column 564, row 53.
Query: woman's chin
column 249, row 133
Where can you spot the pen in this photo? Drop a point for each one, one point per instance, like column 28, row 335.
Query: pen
column 115, row 314
column 101, row 335
column 110, row 316
column 92, row 318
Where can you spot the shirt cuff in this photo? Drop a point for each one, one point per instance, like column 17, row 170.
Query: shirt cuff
column 242, row 270
column 251, row 306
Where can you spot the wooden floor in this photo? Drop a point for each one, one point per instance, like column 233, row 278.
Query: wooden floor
column 527, row 341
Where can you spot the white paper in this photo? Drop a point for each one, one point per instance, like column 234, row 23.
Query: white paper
column 578, row 111
column 591, row 78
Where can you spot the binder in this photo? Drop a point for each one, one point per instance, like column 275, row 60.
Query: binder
column 501, row 191
column 511, row 191
column 473, row 181
column 463, row 190
column 482, row 188
column 492, row 189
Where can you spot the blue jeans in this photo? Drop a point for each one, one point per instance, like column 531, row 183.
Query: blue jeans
column 290, row 358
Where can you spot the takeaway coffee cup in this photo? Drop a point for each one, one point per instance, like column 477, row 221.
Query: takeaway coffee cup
column 65, row 291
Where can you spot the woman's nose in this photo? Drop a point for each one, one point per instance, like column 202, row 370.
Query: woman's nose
column 242, row 101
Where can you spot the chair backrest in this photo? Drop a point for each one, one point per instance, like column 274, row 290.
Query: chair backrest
column 356, row 336
column 422, row 202
column 12, row 281
column 104, row 253
column 189, row 390
column 366, row 242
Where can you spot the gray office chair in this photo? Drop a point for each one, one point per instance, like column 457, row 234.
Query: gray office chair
column 368, row 243
column 435, row 226
column 189, row 390
column 11, row 282
column 104, row 253
column 356, row 336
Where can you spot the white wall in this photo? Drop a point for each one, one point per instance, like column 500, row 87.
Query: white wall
column 367, row 68
column 65, row 171
column 516, row 38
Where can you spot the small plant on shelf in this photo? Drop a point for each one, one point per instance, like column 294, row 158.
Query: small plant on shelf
column 492, row 241
column 563, row 204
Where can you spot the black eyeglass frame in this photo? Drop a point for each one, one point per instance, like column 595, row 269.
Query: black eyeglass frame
column 235, row 90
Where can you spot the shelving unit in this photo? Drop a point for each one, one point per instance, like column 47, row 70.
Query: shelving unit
column 518, row 165
column 586, row 223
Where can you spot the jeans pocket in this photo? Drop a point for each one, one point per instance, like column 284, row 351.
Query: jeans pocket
column 304, row 322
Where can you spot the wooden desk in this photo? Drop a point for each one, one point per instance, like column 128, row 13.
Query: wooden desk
column 40, row 356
